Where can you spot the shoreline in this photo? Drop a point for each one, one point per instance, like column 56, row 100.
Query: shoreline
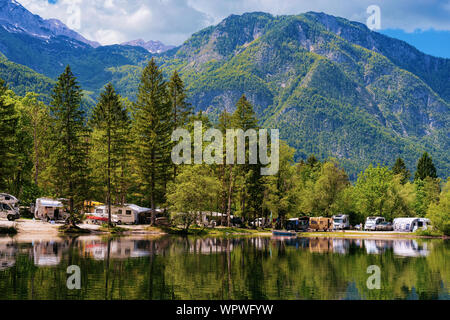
column 39, row 228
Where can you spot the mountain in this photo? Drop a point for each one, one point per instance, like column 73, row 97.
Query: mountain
column 47, row 46
column 332, row 86
column 15, row 18
column 151, row 46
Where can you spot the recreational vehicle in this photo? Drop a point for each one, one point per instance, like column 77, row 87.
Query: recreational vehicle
column 126, row 214
column 298, row 224
column 341, row 222
column 47, row 209
column 320, row 224
column 372, row 223
column 8, row 207
column 410, row 224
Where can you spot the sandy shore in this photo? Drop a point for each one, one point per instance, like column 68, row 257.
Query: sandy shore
column 32, row 228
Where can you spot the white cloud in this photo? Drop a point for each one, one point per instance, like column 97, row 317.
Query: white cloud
column 173, row 21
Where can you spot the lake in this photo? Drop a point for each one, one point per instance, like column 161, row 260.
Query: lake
column 215, row 268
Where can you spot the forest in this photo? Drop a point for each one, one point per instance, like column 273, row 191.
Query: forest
column 120, row 152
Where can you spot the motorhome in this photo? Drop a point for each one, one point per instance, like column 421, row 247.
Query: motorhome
column 341, row 222
column 410, row 224
column 8, row 207
column 320, row 224
column 126, row 214
column 47, row 209
column 372, row 222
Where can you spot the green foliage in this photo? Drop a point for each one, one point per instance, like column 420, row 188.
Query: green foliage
column 110, row 120
column 69, row 148
column 152, row 130
column 439, row 211
column 194, row 191
column 399, row 168
column 377, row 193
column 8, row 129
column 425, row 168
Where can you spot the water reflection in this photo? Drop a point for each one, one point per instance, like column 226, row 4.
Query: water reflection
column 50, row 253
column 216, row 268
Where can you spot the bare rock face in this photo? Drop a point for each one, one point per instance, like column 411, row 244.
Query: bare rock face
column 151, row 46
column 15, row 18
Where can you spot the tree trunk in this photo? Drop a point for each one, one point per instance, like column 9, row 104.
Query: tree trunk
column 230, row 194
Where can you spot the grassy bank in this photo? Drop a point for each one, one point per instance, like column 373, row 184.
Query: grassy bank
column 218, row 231
column 419, row 234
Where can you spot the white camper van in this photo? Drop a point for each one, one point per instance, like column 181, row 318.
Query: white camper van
column 49, row 209
column 372, row 222
column 341, row 222
column 8, row 207
column 410, row 224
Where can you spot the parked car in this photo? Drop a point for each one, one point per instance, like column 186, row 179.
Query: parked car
column 372, row 222
column 384, row 226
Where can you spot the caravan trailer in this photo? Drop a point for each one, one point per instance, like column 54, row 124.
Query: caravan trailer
column 8, row 207
column 320, row 224
column 126, row 214
column 410, row 224
column 47, row 209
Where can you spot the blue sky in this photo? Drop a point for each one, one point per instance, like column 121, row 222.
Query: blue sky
column 423, row 23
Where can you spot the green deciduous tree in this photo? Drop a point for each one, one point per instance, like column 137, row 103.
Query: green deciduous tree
column 439, row 211
column 194, row 191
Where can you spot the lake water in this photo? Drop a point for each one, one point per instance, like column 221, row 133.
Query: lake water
column 215, row 268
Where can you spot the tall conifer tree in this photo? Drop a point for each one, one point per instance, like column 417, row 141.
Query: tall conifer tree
column 109, row 117
column 425, row 168
column 69, row 149
column 8, row 124
column 181, row 110
column 152, row 131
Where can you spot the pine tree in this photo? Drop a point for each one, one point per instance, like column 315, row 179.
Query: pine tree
column 425, row 168
column 252, row 187
column 8, row 124
column 226, row 174
column 108, row 117
column 181, row 110
column 399, row 168
column 69, row 149
column 152, row 132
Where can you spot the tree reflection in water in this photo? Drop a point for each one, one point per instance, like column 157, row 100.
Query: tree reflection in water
column 218, row 268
